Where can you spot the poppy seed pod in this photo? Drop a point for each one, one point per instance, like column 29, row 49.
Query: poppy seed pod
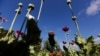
column 31, row 6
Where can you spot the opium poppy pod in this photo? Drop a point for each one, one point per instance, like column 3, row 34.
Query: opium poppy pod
column 65, row 29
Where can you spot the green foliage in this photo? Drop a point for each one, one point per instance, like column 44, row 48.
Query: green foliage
column 87, row 47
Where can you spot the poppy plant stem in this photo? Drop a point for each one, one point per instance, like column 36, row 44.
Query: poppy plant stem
column 78, row 31
column 40, row 10
column 66, row 36
column 73, row 17
column 68, row 45
column 12, row 24
column 30, row 8
column 1, row 22
column 21, row 27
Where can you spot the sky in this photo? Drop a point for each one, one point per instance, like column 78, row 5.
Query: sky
column 55, row 15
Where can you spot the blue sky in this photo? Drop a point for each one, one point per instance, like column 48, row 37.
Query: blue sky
column 56, row 14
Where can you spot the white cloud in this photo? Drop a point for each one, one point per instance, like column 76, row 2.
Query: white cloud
column 97, row 40
column 93, row 8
